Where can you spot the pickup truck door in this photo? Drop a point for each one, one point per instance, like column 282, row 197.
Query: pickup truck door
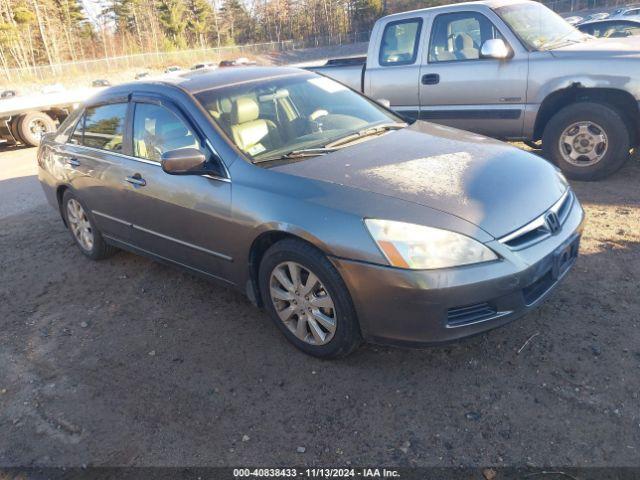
column 393, row 64
column 463, row 90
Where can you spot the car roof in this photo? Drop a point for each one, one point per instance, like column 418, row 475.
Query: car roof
column 197, row 81
column 194, row 81
column 633, row 19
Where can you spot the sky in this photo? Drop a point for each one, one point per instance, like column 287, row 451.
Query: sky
column 93, row 8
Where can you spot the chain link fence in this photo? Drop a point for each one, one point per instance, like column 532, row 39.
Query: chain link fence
column 104, row 67
column 143, row 61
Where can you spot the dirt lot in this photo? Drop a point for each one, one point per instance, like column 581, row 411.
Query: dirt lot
column 128, row 362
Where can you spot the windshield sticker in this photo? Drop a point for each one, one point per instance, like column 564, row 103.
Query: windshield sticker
column 256, row 149
column 327, row 84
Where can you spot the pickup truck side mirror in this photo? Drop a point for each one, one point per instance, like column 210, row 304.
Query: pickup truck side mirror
column 384, row 102
column 185, row 161
column 496, row 49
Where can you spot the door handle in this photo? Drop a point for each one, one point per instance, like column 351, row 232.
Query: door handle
column 430, row 79
column 73, row 162
column 136, row 180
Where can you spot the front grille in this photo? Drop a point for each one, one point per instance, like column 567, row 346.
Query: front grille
column 538, row 230
column 470, row 314
column 537, row 289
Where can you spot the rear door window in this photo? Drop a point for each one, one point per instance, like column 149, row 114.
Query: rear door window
column 104, row 127
column 400, row 42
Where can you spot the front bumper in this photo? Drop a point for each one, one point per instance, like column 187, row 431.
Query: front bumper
column 421, row 307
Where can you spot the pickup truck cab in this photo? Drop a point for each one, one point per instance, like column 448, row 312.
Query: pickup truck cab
column 510, row 69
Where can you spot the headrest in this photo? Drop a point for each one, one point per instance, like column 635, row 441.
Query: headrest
column 244, row 110
column 225, row 105
column 463, row 41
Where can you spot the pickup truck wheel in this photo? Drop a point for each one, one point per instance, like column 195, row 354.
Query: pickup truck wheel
column 33, row 125
column 587, row 140
column 308, row 300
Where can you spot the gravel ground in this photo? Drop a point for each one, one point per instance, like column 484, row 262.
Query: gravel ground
column 128, row 362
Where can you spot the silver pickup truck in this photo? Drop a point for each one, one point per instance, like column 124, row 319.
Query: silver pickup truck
column 510, row 69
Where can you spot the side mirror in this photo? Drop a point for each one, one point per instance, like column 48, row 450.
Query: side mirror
column 185, row 161
column 495, row 48
column 384, row 102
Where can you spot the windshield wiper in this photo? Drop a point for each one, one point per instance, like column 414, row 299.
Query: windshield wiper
column 300, row 153
column 366, row 132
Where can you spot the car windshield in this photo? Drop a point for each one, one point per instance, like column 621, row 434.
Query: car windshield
column 271, row 118
column 539, row 27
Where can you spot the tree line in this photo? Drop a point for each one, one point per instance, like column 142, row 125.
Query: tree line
column 41, row 32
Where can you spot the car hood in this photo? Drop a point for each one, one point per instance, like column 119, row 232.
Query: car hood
column 491, row 184
column 601, row 47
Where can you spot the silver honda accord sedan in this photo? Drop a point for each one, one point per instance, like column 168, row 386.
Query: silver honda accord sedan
column 341, row 220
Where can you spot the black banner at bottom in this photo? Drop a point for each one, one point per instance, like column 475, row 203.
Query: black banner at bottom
column 261, row 473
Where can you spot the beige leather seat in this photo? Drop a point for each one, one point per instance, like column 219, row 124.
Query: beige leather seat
column 464, row 47
column 251, row 133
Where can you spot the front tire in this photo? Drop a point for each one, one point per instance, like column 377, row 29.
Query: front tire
column 587, row 140
column 308, row 300
column 83, row 229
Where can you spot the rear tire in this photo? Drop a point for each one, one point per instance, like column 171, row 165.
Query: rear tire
column 587, row 140
column 83, row 228
column 15, row 131
column 33, row 125
column 330, row 290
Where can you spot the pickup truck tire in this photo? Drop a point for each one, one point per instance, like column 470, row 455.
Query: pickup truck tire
column 587, row 140
column 32, row 125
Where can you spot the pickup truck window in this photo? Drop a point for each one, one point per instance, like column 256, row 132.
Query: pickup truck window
column 104, row 126
column 400, row 42
column 459, row 36
column 538, row 27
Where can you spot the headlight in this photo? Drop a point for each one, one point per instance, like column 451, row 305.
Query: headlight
column 407, row 245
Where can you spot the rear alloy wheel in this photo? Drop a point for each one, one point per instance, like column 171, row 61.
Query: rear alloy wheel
column 587, row 140
column 80, row 225
column 33, row 125
column 83, row 229
column 308, row 300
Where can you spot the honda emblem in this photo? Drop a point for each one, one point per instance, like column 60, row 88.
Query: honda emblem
column 552, row 221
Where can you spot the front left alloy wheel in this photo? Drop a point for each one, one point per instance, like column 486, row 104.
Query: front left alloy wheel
column 308, row 300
